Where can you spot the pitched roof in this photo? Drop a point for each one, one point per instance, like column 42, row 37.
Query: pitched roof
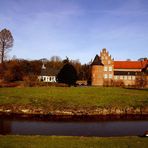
column 130, row 64
column 46, row 71
column 97, row 61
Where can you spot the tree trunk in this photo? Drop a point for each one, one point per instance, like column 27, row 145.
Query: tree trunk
column 2, row 55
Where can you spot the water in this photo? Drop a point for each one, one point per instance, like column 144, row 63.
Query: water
column 73, row 128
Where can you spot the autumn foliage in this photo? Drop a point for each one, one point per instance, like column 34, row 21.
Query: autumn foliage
column 28, row 70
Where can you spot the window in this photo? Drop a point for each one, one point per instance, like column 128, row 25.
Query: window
column 105, row 68
column 53, row 79
column 110, row 75
column 133, row 77
column 125, row 77
column 47, row 79
column 44, row 78
column 115, row 77
column 109, row 62
column 106, row 57
column 129, row 77
column 121, row 77
column 110, row 68
column 105, row 76
column 93, row 75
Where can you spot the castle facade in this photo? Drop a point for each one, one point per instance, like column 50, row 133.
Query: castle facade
column 107, row 72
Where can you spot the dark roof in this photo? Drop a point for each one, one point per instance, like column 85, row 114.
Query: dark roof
column 43, row 72
column 145, row 69
column 52, row 71
column 49, row 71
column 97, row 61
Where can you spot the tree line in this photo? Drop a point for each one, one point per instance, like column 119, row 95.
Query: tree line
column 18, row 69
column 21, row 69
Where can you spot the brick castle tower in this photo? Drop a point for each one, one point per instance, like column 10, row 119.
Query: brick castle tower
column 102, row 69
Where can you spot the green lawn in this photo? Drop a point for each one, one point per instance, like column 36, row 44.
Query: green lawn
column 74, row 96
column 71, row 142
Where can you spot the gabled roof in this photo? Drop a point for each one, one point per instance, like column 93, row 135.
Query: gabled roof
column 46, row 71
column 130, row 64
column 97, row 61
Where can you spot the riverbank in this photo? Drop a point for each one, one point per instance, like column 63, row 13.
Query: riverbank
column 96, row 112
column 71, row 142
column 74, row 101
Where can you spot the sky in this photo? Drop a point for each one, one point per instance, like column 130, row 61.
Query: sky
column 78, row 29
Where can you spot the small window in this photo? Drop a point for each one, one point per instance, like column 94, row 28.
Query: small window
column 125, row 77
column 110, row 75
column 105, row 68
column 115, row 77
column 109, row 62
column 121, row 77
column 105, row 76
column 106, row 57
column 54, row 79
column 47, row 79
column 133, row 77
column 110, row 68
column 129, row 77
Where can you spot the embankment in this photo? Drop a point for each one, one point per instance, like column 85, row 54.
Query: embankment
column 85, row 111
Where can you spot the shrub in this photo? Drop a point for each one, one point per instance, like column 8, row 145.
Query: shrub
column 30, row 80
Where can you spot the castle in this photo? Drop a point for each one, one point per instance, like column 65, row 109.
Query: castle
column 107, row 72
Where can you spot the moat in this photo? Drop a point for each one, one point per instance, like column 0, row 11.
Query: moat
column 101, row 128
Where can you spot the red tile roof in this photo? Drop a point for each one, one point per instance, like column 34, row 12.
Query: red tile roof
column 130, row 64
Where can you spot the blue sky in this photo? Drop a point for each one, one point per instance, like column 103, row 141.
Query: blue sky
column 78, row 29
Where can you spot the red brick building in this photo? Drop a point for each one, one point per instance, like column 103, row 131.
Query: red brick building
column 106, row 71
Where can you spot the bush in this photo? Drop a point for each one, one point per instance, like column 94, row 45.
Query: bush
column 30, row 80
column 118, row 83
column 9, row 84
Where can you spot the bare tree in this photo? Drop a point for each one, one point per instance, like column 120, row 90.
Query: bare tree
column 6, row 42
column 55, row 59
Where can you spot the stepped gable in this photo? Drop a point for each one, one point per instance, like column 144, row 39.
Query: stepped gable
column 97, row 61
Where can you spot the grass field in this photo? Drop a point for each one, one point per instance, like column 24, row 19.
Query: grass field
column 71, row 142
column 74, row 96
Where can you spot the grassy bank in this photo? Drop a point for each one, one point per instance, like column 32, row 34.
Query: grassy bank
column 58, row 97
column 71, row 142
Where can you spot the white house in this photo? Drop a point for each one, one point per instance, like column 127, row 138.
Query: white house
column 45, row 76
